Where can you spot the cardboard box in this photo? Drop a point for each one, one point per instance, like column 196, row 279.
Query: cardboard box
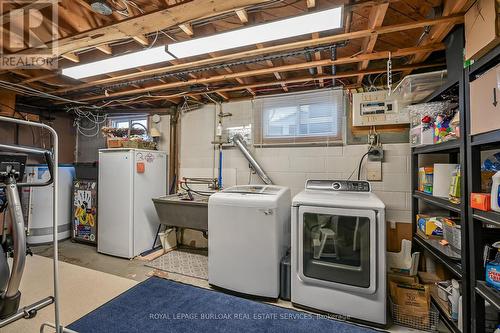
column 482, row 28
column 429, row 227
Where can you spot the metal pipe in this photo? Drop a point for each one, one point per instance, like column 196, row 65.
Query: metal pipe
column 18, row 237
column 55, row 209
column 28, row 311
column 240, row 143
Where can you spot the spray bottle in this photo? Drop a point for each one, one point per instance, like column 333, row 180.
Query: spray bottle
column 495, row 192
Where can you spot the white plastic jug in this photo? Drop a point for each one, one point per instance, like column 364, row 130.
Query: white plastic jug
column 495, row 192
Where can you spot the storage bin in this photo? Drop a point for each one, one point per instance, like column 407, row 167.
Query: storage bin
column 115, row 143
column 452, row 234
column 425, row 321
column 421, row 135
column 484, row 102
column 482, row 28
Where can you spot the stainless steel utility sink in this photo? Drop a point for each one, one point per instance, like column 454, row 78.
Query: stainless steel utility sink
column 174, row 210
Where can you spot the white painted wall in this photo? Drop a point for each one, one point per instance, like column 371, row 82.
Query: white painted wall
column 290, row 166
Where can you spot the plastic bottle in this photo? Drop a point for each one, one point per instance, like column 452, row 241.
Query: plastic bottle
column 495, row 192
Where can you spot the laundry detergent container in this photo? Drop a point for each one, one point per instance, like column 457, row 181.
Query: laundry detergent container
column 248, row 235
column 38, row 203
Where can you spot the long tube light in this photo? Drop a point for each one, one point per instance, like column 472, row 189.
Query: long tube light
column 291, row 27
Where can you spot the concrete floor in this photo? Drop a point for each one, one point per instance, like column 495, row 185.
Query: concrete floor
column 87, row 256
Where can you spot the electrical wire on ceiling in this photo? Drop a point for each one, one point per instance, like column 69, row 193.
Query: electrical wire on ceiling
column 94, row 119
column 215, row 67
column 25, row 90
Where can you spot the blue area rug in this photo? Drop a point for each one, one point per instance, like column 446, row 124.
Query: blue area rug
column 158, row 305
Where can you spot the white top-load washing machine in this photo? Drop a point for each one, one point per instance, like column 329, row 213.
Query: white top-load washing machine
column 338, row 250
column 248, row 234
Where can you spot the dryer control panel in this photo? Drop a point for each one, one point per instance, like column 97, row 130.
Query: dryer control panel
column 339, row 185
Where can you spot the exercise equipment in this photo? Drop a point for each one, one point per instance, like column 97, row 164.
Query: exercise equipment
column 13, row 235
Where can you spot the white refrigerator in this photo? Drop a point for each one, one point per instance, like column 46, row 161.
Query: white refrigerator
column 128, row 180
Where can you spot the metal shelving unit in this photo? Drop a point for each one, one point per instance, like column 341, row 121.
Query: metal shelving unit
column 456, row 152
column 484, row 227
column 452, row 265
column 436, row 201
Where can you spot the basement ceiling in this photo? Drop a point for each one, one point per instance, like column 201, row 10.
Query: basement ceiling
column 409, row 31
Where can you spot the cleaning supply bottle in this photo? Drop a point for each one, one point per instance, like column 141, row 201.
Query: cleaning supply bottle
column 495, row 192
column 454, row 299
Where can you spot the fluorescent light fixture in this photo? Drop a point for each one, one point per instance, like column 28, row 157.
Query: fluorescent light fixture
column 118, row 63
column 286, row 28
column 291, row 27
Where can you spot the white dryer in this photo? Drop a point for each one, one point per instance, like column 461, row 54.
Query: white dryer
column 248, row 234
column 338, row 250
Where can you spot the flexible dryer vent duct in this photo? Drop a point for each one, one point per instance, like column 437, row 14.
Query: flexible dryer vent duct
column 240, row 143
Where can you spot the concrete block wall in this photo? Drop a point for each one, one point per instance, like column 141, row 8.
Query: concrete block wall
column 292, row 166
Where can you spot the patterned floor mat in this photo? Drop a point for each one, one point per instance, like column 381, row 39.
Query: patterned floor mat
column 185, row 262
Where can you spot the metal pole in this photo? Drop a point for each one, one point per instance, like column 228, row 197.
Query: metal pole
column 55, row 155
column 18, row 236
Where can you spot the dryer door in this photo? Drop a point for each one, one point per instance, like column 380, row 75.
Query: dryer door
column 337, row 248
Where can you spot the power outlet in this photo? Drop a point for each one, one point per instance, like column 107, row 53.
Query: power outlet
column 376, row 154
column 374, row 170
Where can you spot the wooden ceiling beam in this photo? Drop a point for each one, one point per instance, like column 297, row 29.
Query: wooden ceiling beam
column 250, row 73
column 187, row 28
column 291, row 81
column 148, row 23
column 376, row 19
column 317, row 57
column 439, row 31
column 39, row 78
column 242, row 15
column 141, row 39
column 105, row 49
column 456, row 19
column 277, row 75
column 37, row 4
column 71, row 57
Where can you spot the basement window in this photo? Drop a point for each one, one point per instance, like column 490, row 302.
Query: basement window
column 310, row 118
column 127, row 121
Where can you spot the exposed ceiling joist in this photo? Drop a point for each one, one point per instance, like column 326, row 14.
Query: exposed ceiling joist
column 250, row 73
column 290, row 81
column 311, row 3
column 439, row 31
column 187, row 28
column 141, row 39
column 148, row 23
column 37, row 4
column 105, row 49
column 377, row 15
column 242, row 15
column 71, row 57
column 456, row 19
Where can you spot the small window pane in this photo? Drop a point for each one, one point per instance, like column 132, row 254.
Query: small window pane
column 121, row 124
column 301, row 117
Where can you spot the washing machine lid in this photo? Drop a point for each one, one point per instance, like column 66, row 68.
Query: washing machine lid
column 256, row 189
column 262, row 196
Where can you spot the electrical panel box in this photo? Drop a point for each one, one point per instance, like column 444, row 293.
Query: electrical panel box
column 377, row 108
